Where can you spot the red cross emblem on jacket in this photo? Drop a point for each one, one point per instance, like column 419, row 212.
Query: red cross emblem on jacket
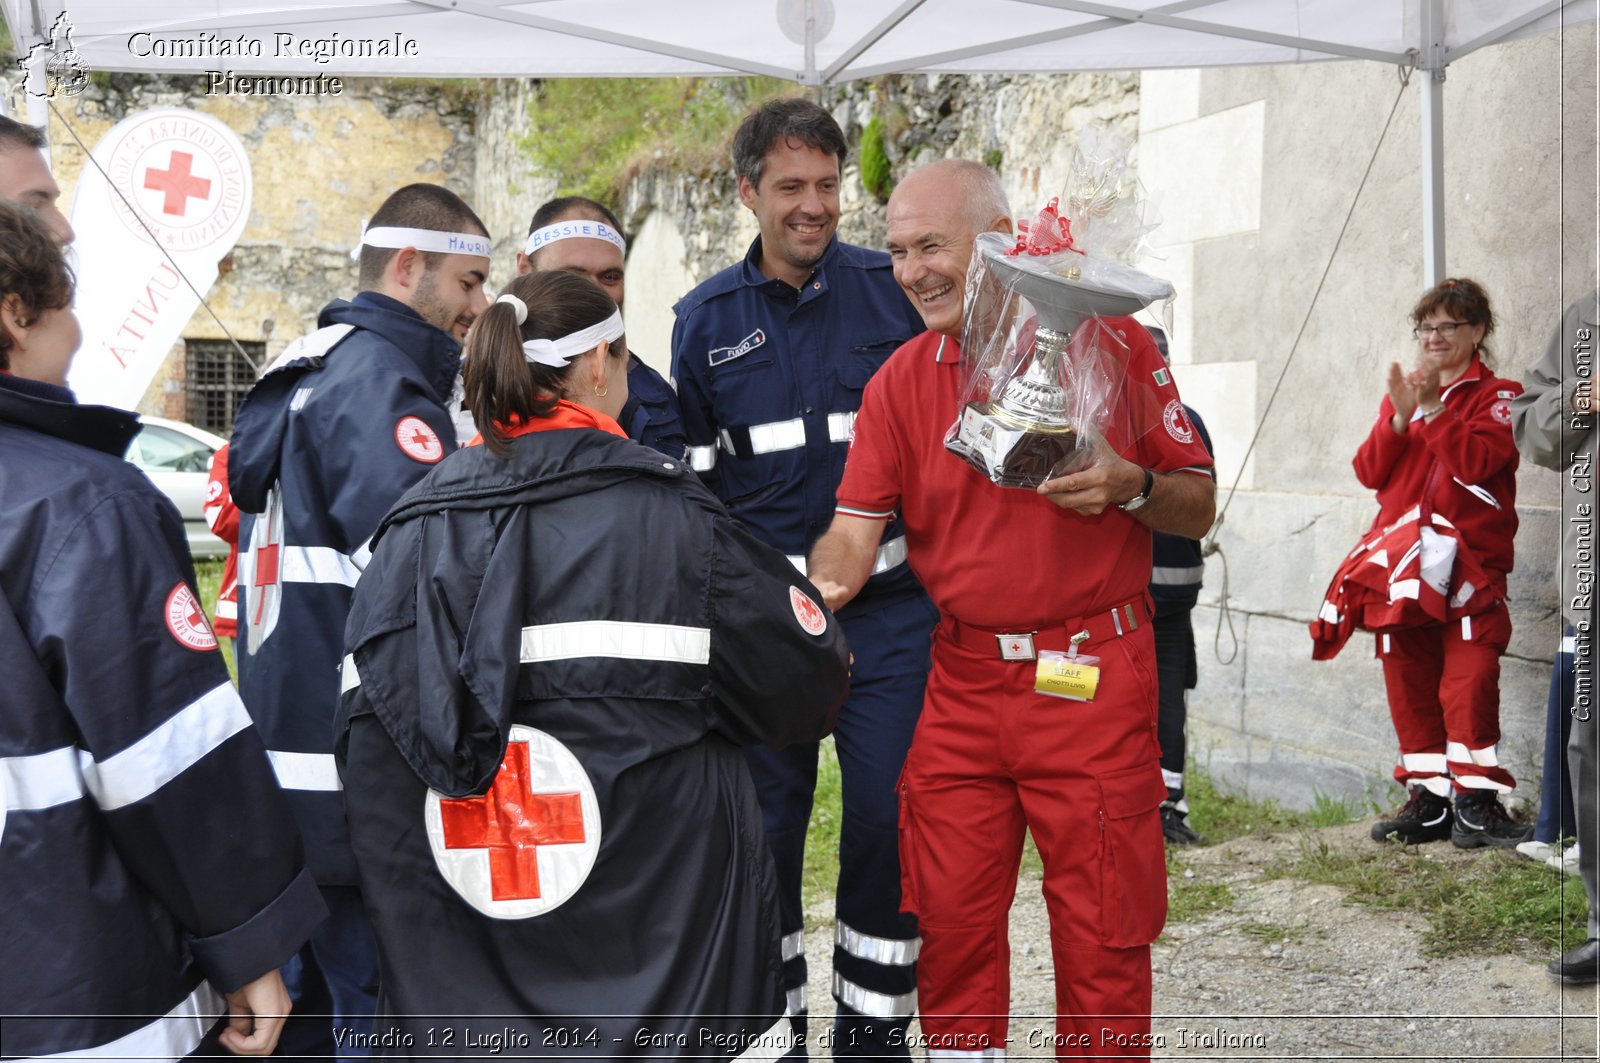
column 512, row 822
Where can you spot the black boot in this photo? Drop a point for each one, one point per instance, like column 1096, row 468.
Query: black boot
column 1482, row 820
column 1425, row 817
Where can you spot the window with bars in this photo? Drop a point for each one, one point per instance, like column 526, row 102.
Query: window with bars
column 217, row 380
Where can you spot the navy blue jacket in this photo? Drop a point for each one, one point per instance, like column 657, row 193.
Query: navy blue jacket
column 651, row 414
column 147, row 859
column 517, row 611
column 770, row 379
column 1178, row 568
column 322, row 447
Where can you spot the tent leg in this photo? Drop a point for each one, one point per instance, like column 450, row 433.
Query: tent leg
column 1431, row 85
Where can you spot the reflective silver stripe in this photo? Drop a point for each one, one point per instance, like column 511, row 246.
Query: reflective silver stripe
column 879, row 1005
column 363, row 556
column 227, row 609
column 349, row 677
column 870, row 514
column 1483, row 758
column 40, row 780
column 897, row 952
column 795, row 1000
column 771, row 1044
column 305, row 771
column 793, row 945
column 616, row 638
column 840, row 425
column 1569, row 644
column 1176, row 576
column 1173, row 779
column 777, row 435
column 889, row 555
column 173, row 1036
column 166, row 752
column 1423, row 762
column 1466, row 628
column 299, row 398
column 703, row 459
column 317, row 564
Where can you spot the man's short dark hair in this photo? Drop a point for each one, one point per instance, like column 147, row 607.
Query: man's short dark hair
column 784, row 121
column 418, row 206
column 13, row 134
column 564, row 206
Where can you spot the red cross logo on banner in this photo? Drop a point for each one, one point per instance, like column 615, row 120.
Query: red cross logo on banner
column 177, row 184
column 512, row 822
column 1016, row 647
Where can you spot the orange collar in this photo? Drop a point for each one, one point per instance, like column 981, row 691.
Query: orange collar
column 566, row 415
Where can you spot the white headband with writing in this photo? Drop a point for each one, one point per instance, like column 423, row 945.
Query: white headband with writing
column 558, row 352
column 574, row 227
column 442, row 243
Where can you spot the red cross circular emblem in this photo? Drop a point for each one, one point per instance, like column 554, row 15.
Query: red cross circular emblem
column 419, row 442
column 187, row 621
column 526, row 846
column 813, row 621
column 1501, row 411
column 1176, row 424
column 186, row 175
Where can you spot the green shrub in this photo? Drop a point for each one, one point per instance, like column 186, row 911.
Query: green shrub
column 592, row 134
column 875, row 176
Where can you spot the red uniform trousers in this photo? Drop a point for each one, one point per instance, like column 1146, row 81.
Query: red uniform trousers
column 1443, row 683
column 991, row 758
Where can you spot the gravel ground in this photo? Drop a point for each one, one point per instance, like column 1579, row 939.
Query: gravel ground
column 1348, row 983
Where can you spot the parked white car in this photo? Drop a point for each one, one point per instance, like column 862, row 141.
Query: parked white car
column 177, row 458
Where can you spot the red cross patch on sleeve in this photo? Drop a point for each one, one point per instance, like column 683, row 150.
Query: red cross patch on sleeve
column 418, row 441
column 187, row 621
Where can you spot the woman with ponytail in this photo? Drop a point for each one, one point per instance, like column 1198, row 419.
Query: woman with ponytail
column 559, row 646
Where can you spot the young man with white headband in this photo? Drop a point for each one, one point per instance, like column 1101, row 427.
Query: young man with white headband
column 771, row 356
column 579, row 235
column 326, row 442
column 569, row 624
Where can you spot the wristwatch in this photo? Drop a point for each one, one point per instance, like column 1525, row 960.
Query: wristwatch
column 1143, row 496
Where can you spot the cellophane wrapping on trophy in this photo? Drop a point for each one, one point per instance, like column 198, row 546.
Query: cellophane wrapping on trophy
column 1044, row 375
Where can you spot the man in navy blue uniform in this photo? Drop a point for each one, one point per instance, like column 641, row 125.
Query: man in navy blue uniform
column 346, row 420
column 770, row 357
column 1175, row 579
column 582, row 236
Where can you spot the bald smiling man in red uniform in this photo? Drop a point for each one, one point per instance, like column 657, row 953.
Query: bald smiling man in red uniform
column 991, row 756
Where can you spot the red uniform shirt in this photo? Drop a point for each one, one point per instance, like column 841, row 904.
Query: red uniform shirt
column 1464, row 464
column 1007, row 558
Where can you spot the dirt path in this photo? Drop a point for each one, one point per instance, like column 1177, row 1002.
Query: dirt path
column 1292, row 971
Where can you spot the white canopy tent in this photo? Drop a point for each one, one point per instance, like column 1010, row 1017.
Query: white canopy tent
column 813, row 42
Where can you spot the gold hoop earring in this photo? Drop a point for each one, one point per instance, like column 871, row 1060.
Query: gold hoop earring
column 601, row 391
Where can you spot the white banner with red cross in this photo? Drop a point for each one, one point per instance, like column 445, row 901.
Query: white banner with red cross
column 169, row 182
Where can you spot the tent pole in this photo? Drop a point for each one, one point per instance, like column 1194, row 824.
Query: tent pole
column 1432, row 107
column 1431, row 113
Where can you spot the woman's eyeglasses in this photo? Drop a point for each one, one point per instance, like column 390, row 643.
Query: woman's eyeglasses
column 1443, row 328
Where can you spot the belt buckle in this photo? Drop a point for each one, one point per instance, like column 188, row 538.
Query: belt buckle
column 1018, row 647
